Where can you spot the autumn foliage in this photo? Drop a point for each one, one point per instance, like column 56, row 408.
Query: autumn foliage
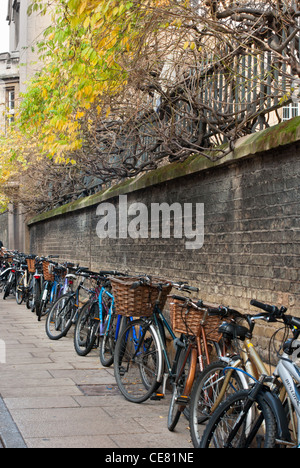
column 120, row 89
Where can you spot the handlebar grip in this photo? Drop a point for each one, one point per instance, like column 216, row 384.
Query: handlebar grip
column 179, row 298
column 214, row 310
column 268, row 308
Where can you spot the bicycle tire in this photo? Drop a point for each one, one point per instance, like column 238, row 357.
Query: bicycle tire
column 36, row 297
column 85, row 333
column 205, row 393
column 42, row 309
column 137, row 361
column 6, row 291
column 20, row 295
column 174, row 413
column 29, row 294
column 108, row 341
column 60, row 317
column 262, row 430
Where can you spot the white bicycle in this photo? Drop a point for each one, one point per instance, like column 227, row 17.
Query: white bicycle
column 273, row 401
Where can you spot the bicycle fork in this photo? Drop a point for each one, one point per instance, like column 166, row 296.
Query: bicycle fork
column 244, row 414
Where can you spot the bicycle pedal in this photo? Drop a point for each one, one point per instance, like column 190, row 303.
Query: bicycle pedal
column 157, row 396
column 183, row 400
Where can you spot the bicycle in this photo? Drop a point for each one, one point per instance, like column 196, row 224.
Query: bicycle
column 97, row 321
column 111, row 325
column 11, row 283
column 52, row 273
column 87, row 328
column 66, row 309
column 141, row 351
column 222, row 378
column 261, row 415
column 198, row 323
column 25, row 281
column 41, row 284
column 6, row 260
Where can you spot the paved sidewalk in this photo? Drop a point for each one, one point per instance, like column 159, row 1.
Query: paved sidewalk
column 51, row 397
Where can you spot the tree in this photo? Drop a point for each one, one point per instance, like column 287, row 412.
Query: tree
column 130, row 85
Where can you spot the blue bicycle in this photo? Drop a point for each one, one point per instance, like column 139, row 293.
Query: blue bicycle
column 55, row 284
column 98, row 323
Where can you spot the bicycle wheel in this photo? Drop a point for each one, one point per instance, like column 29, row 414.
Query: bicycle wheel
column 9, row 286
column 206, row 391
column 137, row 361
column 29, row 295
column 108, row 342
column 59, row 319
column 36, row 297
column 43, row 309
column 256, row 430
column 185, row 375
column 86, row 329
column 20, row 290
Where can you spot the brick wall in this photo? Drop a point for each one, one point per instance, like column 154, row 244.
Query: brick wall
column 252, row 243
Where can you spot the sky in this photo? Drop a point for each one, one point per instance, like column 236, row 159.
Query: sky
column 4, row 36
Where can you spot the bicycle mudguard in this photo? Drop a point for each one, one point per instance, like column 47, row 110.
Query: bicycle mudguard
column 277, row 408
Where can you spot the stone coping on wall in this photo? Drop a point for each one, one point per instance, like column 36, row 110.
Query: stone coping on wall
column 282, row 134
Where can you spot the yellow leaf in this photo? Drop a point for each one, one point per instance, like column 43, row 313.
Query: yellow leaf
column 82, row 7
column 186, row 45
column 86, row 22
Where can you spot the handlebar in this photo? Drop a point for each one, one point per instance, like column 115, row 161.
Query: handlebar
column 111, row 273
column 268, row 308
column 273, row 313
column 181, row 286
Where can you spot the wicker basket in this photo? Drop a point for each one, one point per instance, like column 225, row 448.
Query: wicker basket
column 31, row 265
column 188, row 320
column 138, row 302
column 48, row 276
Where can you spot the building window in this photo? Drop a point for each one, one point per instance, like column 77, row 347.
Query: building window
column 11, row 103
column 290, row 111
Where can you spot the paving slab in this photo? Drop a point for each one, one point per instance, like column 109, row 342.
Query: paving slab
column 52, row 398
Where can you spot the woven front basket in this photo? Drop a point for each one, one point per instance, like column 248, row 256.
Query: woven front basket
column 31, row 265
column 138, row 302
column 48, row 276
column 189, row 321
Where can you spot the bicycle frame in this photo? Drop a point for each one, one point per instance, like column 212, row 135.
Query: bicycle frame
column 103, row 291
column 253, row 365
column 158, row 313
column 195, row 349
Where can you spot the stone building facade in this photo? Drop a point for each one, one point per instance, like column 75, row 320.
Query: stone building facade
column 17, row 66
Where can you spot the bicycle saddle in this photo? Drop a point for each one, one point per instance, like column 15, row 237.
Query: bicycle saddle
column 233, row 330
